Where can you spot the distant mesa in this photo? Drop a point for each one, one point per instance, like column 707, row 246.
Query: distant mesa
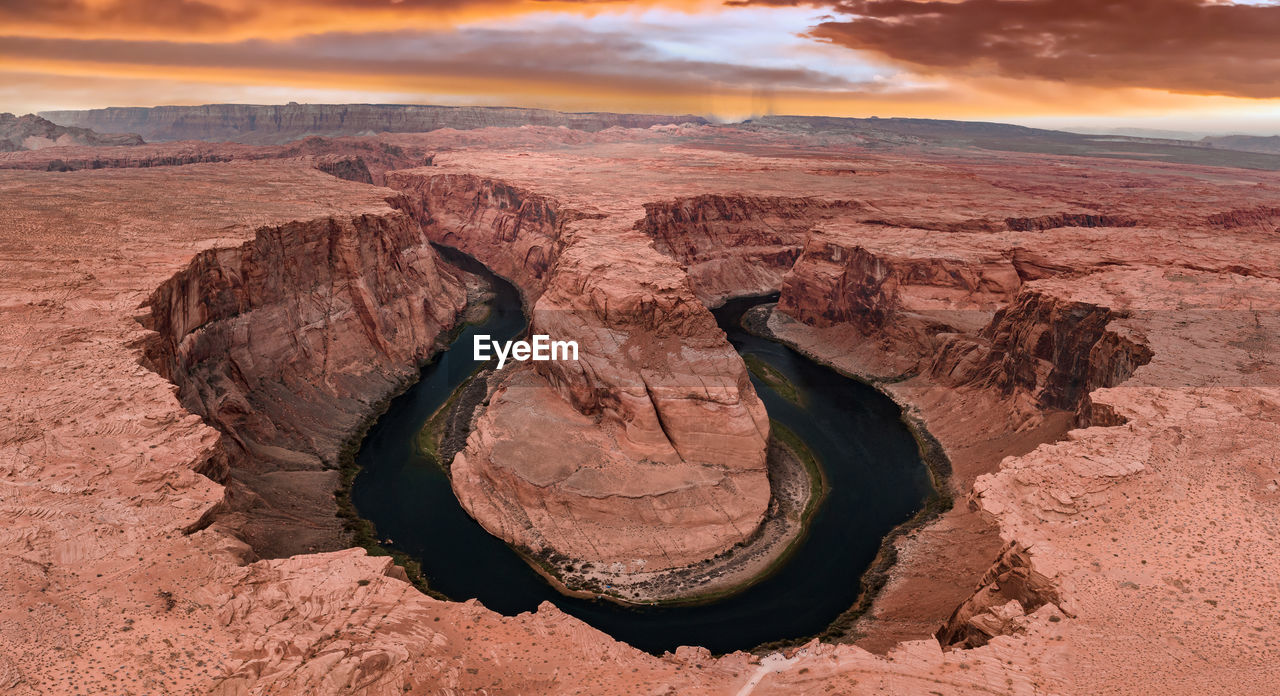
column 267, row 125
column 32, row 132
column 1269, row 144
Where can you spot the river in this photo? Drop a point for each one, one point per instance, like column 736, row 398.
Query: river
column 875, row 481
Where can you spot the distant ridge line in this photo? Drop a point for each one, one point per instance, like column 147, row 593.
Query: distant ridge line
column 273, row 124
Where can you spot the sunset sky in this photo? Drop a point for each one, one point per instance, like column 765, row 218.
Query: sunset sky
column 1186, row 65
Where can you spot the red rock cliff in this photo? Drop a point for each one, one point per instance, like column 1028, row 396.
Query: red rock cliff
column 1057, row 351
column 285, row 343
column 516, row 233
column 901, row 287
column 736, row 245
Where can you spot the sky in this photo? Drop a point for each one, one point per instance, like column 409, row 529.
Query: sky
column 1200, row 66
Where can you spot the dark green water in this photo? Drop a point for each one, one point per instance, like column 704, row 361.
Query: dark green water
column 875, row 478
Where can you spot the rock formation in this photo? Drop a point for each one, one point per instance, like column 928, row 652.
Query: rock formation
column 901, row 287
column 1009, row 591
column 736, row 245
column 32, row 132
column 654, row 426
column 284, row 344
column 516, row 233
column 357, row 159
column 1056, row 351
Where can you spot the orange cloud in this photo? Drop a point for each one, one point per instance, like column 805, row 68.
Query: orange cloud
column 972, row 59
column 986, row 99
column 236, row 20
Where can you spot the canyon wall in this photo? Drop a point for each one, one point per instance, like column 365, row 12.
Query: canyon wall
column 1054, row 350
column 514, row 232
column 285, row 344
column 356, row 159
column 901, row 289
column 736, row 245
column 264, row 124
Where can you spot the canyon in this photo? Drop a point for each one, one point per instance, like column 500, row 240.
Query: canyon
column 654, row 426
column 192, row 347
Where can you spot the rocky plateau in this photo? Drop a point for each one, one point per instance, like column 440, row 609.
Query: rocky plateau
column 274, row 124
column 191, row 345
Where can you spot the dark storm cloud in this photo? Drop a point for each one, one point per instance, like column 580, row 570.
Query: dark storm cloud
column 1179, row 45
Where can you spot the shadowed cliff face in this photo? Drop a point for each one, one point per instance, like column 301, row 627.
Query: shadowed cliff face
column 1055, row 350
column 1263, row 219
column 736, row 245
column 514, row 232
column 284, row 344
column 903, row 299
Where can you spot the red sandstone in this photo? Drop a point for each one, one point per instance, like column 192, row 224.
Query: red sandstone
column 1107, row 395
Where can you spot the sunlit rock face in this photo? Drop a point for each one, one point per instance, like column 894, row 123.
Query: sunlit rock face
column 654, row 427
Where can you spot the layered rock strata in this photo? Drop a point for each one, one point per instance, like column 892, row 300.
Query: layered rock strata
column 513, row 231
column 1054, row 351
column 900, row 287
column 356, row 159
column 285, row 344
column 736, row 245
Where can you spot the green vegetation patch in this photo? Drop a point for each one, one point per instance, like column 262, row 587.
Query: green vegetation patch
column 775, row 380
column 817, row 480
column 433, row 431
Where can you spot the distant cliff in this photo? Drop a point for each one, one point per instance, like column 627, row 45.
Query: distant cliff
column 32, row 132
column 1249, row 143
column 277, row 124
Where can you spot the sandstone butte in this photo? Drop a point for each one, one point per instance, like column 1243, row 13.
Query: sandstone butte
column 188, row 348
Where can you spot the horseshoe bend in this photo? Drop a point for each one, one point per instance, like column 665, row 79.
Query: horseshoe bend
column 1074, row 353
